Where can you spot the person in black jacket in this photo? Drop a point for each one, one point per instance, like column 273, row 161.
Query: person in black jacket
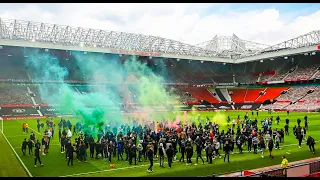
column 189, row 150
column 24, row 146
column 182, row 149
column 92, row 146
column 127, row 150
column 226, row 149
column 299, row 137
column 239, row 144
column 70, row 150
column 150, row 157
column 98, row 149
column 59, row 134
column 278, row 119
column 286, row 129
column 110, row 150
column 30, row 146
column 170, row 154
column 37, row 150
column 199, row 150
column 82, row 151
column 298, row 121
column 249, row 142
column 311, row 143
column 62, row 143
column 270, row 147
column 210, row 150
column 133, row 154
column 38, row 126
column 306, row 122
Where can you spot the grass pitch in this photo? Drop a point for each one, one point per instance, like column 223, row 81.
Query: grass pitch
column 56, row 165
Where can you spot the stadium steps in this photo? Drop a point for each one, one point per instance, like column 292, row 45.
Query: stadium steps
column 201, row 94
column 317, row 72
column 34, row 102
column 260, row 95
column 226, row 95
column 77, row 90
column 252, row 94
column 271, row 93
column 238, row 95
column 221, row 96
column 213, row 91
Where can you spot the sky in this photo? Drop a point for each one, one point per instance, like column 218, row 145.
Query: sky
column 189, row 23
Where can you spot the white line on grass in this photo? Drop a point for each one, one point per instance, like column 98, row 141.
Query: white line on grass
column 34, row 130
column 130, row 167
column 24, row 166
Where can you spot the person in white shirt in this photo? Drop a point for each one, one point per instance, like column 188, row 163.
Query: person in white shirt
column 268, row 138
column 49, row 137
column 216, row 148
column 69, row 134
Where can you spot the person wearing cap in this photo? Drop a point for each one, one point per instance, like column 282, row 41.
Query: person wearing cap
column 284, row 165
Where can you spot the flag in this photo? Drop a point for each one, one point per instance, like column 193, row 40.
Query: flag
column 247, row 173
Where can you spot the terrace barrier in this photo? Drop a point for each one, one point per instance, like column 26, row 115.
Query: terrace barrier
column 303, row 168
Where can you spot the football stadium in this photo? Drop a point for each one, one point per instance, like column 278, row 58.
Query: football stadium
column 79, row 102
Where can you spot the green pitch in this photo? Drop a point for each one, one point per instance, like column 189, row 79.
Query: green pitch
column 56, row 165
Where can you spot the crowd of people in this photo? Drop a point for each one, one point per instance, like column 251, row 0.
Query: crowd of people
column 309, row 100
column 156, row 141
column 298, row 72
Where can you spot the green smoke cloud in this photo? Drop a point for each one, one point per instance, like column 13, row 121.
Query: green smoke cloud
column 131, row 81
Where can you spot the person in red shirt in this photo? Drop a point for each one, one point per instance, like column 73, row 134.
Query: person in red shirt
column 23, row 127
column 212, row 135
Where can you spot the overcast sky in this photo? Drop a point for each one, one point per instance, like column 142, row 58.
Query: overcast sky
column 188, row 23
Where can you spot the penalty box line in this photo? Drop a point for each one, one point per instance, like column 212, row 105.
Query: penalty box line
column 16, row 154
column 131, row 167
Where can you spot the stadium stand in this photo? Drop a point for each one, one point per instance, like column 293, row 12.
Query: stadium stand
column 37, row 96
column 252, row 94
column 238, row 95
column 304, row 100
column 14, row 95
column 271, row 93
column 304, row 72
column 293, row 94
column 246, row 79
column 201, row 94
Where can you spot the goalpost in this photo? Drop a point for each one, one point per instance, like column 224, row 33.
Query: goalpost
column 1, row 126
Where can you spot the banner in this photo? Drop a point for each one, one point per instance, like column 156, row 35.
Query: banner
column 275, row 82
column 17, row 105
column 247, row 173
column 18, row 111
column 294, row 80
column 24, row 117
column 54, row 111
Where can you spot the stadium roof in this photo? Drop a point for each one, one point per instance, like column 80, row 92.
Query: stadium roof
column 219, row 49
